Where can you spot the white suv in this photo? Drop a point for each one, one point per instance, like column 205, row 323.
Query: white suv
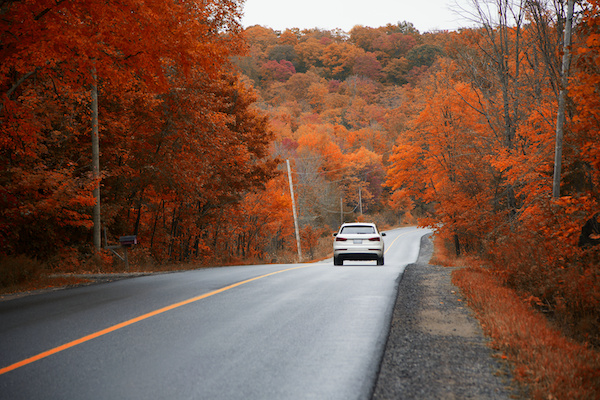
column 358, row 241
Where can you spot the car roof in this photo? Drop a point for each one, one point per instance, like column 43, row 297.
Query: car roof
column 358, row 224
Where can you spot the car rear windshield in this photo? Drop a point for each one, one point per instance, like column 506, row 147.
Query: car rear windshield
column 361, row 230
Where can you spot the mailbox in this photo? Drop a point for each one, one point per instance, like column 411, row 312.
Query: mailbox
column 128, row 241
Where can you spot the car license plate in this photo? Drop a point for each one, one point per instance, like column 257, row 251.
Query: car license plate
column 357, row 241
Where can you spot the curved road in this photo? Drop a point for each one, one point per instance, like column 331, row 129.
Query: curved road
column 253, row 332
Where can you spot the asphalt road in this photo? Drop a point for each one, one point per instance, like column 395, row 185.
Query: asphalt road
column 303, row 331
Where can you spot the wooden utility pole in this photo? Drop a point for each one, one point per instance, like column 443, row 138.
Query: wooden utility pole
column 289, row 170
column 96, row 162
column 360, row 199
column 341, row 211
column 562, row 100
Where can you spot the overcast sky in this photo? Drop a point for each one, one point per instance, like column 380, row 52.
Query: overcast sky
column 425, row 15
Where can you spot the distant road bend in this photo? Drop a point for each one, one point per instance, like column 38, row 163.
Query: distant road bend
column 250, row 332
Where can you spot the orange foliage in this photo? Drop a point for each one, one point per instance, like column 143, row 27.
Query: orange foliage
column 259, row 227
column 548, row 363
column 178, row 136
column 462, row 124
column 477, row 161
column 584, row 91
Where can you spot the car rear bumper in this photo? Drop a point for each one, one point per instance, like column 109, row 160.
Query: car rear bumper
column 353, row 255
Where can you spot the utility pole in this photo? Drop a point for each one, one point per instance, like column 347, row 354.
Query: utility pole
column 360, row 199
column 96, row 162
column 287, row 161
column 562, row 100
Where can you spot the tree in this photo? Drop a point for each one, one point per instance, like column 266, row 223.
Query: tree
column 260, row 226
column 367, row 65
column 396, row 70
column 583, row 90
column 164, row 90
column 339, row 59
column 363, row 178
column 394, row 45
column 364, row 37
column 261, row 37
column 423, row 55
column 278, row 70
column 289, row 37
column 309, row 53
column 299, row 84
column 283, row 52
column 441, row 161
column 560, row 118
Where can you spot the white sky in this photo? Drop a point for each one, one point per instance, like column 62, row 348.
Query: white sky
column 425, row 15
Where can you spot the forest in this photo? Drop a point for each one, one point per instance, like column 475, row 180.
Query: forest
column 194, row 117
column 455, row 131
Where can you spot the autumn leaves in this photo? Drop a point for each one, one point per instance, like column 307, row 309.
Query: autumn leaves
column 462, row 125
column 178, row 138
column 455, row 127
column 483, row 143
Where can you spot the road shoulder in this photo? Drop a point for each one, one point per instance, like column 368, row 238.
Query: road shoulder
column 436, row 348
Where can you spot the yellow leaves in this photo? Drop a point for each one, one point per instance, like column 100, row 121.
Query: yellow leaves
column 317, row 93
column 339, row 59
column 317, row 138
column 362, row 158
column 401, row 200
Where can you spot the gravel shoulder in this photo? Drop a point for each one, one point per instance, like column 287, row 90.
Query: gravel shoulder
column 436, row 348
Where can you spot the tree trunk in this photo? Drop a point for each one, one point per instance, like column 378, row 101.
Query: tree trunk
column 96, row 163
column 562, row 100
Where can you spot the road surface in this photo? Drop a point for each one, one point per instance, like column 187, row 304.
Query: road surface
column 298, row 331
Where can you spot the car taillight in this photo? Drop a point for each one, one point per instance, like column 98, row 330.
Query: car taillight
column 375, row 239
column 340, row 239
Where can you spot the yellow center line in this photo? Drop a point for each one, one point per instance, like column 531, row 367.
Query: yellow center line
column 132, row 321
column 394, row 241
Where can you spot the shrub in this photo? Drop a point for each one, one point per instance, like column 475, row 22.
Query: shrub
column 565, row 280
column 15, row 270
column 552, row 366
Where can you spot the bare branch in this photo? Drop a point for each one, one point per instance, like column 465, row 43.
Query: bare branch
column 17, row 84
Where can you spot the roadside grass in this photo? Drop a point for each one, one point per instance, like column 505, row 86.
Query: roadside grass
column 546, row 363
column 23, row 274
column 69, row 268
column 549, row 364
column 43, row 282
column 20, row 274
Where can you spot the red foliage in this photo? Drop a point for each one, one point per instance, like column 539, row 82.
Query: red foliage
column 278, row 70
column 178, row 136
column 478, row 159
column 548, row 363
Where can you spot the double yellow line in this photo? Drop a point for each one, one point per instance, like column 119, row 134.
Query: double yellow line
column 133, row 321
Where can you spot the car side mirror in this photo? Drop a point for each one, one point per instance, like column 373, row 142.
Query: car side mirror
column 383, row 234
column 335, row 234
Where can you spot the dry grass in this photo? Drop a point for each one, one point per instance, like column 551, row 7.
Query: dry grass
column 22, row 274
column 549, row 364
column 43, row 282
column 15, row 270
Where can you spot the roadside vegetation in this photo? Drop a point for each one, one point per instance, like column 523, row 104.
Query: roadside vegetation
column 547, row 362
column 451, row 130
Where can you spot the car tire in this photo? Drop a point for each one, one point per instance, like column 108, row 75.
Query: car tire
column 337, row 261
column 380, row 261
